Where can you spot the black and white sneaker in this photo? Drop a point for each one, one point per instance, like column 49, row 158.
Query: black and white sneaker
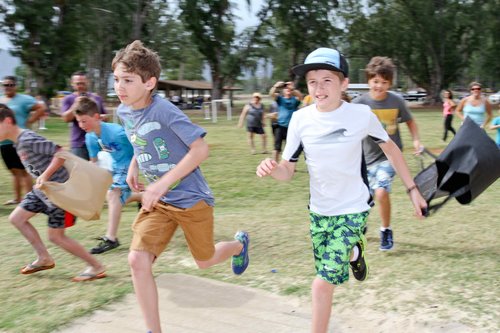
column 104, row 245
column 360, row 266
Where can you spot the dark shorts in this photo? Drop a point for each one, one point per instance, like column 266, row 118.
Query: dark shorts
column 58, row 218
column 10, row 157
column 280, row 136
column 256, row 130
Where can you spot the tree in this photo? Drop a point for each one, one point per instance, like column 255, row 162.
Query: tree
column 431, row 40
column 212, row 28
column 295, row 28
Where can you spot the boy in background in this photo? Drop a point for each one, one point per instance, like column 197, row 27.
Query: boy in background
column 168, row 149
column 37, row 155
column 331, row 132
column 111, row 138
column 390, row 109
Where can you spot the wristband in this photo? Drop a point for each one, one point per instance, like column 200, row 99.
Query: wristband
column 411, row 188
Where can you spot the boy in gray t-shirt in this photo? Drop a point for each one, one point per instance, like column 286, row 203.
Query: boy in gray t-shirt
column 390, row 110
column 37, row 155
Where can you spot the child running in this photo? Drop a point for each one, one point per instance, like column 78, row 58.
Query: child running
column 168, row 149
column 111, row 138
column 37, row 155
column 330, row 132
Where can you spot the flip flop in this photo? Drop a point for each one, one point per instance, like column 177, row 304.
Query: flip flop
column 86, row 276
column 10, row 202
column 32, row 268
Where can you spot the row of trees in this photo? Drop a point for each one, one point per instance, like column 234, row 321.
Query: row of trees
column 437, row 43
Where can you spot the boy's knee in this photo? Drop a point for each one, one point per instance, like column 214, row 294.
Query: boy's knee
column 55, row 236
column 140, row 260
column 203, row 264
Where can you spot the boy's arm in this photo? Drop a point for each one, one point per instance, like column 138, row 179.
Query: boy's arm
column 198, row 152
column 412, row 126
column 282, row 171
column 391, row 150
column 133, row 176
column 54, row 165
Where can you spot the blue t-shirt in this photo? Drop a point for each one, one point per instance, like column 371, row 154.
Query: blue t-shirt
column 286, row 107
column 161, row 135
column 113, row 140
column 21, row 104
column 496, row 121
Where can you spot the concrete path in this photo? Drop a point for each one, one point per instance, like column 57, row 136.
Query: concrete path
column 191, row 304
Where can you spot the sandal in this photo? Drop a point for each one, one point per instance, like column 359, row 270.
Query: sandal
column 10, row 202
column 32, row 268
column 88, row 275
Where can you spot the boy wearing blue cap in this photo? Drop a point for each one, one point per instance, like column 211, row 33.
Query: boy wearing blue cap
column 330, row 132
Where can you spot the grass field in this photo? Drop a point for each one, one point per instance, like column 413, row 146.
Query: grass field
column 445, row 267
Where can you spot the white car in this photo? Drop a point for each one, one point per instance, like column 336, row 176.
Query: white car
column 495, row 98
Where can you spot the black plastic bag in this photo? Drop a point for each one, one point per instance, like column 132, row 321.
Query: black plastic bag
column 467, row 167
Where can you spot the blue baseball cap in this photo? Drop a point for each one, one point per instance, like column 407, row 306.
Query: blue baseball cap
column 323, row 58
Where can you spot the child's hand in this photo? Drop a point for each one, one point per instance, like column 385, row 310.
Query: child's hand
column 266, row 167
column 133, row 182
column 419, row 203
column 152, row 195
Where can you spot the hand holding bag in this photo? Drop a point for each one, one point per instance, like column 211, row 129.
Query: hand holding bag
column 84, row 193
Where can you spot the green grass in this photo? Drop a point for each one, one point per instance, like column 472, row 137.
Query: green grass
column 444, row 267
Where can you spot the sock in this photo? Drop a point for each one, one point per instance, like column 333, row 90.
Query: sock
column 384, row 229
column 355, row 253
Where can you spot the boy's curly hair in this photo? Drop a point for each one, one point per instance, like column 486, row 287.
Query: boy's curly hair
column 382, row 66
column 138, row 59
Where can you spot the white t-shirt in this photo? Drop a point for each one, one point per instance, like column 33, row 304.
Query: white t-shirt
column 332, row 143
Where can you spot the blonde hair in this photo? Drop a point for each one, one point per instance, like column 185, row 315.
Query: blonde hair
column 138, row 59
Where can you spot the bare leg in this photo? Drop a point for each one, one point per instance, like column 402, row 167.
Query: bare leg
column 21, row 181
column 251, row 142
column 114, row 213
column 264, row 143
column 141, row 265
column 223, row 251
column 20, row 219
column 322, row 296
column 384, row 208
column 58, row 237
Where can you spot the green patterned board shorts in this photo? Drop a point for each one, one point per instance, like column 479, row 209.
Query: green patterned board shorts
column 333, row 238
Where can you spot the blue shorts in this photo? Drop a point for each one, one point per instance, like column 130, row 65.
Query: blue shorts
column 120, row 182
column 380, row 175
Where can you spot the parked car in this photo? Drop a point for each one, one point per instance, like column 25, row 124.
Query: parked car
column 415, row 96
column 495, row 98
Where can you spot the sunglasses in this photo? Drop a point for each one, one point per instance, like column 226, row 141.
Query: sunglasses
column 9, row 85
column 475, row 89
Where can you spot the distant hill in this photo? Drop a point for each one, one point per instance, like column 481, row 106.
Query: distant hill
column 9, row 63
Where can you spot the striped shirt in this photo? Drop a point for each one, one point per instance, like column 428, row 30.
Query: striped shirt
column 36, row 153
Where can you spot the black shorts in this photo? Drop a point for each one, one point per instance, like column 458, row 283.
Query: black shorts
column 37, row 203
column 256, row 130
column 10, row 157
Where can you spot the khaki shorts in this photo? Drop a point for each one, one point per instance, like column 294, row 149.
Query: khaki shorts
column 153, row 230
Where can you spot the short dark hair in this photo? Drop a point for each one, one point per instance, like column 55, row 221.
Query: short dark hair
column 382, row 66
column 6, row 112
column 79, row 73
column 10, row 78
column 86, row 106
